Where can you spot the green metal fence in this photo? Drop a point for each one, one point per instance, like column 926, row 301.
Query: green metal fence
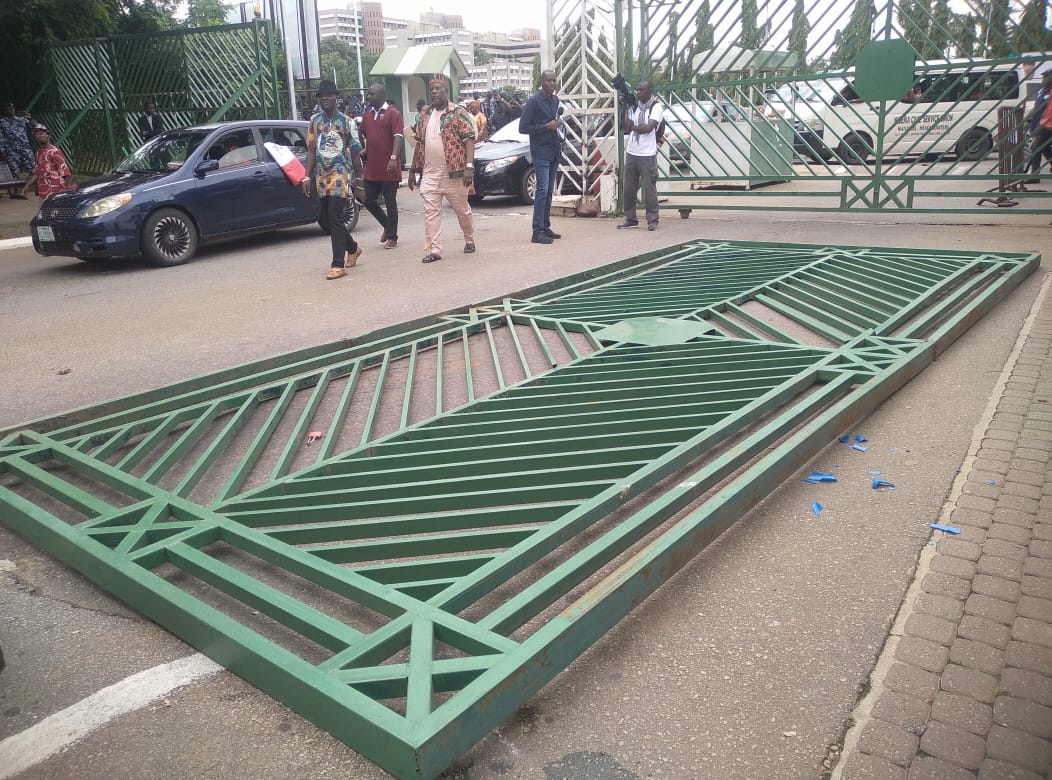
column 404, row 536
column 94, row 94
column 815, row 104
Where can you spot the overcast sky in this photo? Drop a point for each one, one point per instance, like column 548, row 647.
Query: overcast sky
column 479, row 15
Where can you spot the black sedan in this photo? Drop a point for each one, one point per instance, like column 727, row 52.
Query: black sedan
column 503, row 165
column 179, row 190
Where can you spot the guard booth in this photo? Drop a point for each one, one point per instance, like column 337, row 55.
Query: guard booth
column 405, row 71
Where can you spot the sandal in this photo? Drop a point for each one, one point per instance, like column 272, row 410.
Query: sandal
column 431, row 257
column 469, row 248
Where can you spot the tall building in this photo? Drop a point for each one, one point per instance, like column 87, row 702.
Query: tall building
column 519, row 45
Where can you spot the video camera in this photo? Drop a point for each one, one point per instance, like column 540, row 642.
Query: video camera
column 626, row 92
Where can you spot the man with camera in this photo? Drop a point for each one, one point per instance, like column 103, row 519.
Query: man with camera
column 643, row 115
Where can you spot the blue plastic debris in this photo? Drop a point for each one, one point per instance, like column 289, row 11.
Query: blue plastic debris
column 820, row 476
column 875, row 473
column 891, row 450
column 859, row 437
column 859, row 447
column 816, row 508
column 845, row 438
column 991, row 482
column 956, row 471
column 879, row 483
column 947, row 528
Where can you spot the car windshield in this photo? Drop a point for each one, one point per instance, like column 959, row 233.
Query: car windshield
column 166, row 152
column 510, row 132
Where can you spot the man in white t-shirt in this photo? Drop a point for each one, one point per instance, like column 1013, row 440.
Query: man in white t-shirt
column 640, row 125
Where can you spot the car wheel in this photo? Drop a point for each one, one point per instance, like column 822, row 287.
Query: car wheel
column 854, row 149
column 974, row 145
column 528, row 187
column 169, row 237
column 351, row 211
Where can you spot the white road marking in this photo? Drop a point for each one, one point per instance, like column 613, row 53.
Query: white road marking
column 56, row 732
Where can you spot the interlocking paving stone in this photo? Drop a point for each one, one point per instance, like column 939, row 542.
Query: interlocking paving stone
column 940, row 606
column 899, row 709
column 961, row 711
column 1026, row 464
column 1022, row 714
column 966, row 517
column 976, row 655
column 912, row 681
column 1042, row 548
column 946, row 585
column 1021, row 489
column 931, row 768
column 1038, row 609
column 1036, row 632
column 1026, row 655
column 888, row 741
column 988, row 607
column 862, row 766
column 999, row 467
column 981, row 503
column 995, row 769
column 984, row 630
column 969, row 682
column 955, row 567
column 997, row 566
column 983, row 489
column 958, row 548
column 953, row 745
column 1019, row 476
column 1013, row 517
column 998, row 587
column 1039, row 587
column 1008, row 533
column 1004, row 549
column 931, row 628
column 1019, row 747
column 922, row 653
column 1039, row 567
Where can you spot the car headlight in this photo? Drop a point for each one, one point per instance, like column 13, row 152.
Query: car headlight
column 499, row 165
column 105, row 205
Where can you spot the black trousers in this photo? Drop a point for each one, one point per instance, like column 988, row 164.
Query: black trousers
column 387, row 216
column 332, row 220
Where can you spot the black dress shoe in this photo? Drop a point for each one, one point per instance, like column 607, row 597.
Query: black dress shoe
column 551, row 233
column 540, row 237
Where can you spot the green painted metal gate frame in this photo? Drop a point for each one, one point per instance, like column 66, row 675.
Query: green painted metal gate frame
column 761, row 60
column 494, row 487
column 94, row 93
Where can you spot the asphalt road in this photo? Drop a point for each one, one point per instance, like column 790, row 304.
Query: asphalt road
column 746, row 665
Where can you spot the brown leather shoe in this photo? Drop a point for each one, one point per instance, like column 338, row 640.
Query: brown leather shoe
column 336, row 273
column 352, row 257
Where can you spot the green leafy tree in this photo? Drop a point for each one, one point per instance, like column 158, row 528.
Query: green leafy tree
column 205, row 13
column 1033, row 33
column 996, row 39
column 535, row 75
column 482, row 57
column 342, row 58
column 798, row 30
column 857, row 33
column 754, row 35
column 146, row 16
column 940, row 33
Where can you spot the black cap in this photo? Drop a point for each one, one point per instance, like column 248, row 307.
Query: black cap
column 327, row 87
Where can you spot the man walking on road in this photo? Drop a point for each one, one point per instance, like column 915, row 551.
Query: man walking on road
column 381, row 130
column 641, row 124
column 444, row 161
column 541, row 122
column 332, row 148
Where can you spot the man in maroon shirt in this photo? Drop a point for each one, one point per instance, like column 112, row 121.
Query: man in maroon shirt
column 381, row 133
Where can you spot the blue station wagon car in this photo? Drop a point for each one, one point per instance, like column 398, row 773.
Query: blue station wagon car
column 180, row 189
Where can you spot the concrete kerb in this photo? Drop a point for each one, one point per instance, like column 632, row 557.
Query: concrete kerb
column 863, row 712
column 15, row 243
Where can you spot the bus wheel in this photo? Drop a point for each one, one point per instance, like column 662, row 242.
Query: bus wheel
column 974, row 145
column 854, row 149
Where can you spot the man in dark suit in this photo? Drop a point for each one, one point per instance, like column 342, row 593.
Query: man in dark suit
column 150, row 123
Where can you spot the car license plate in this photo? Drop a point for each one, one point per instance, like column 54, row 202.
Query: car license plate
column 45, row 233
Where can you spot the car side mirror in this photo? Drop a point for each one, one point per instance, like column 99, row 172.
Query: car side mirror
column 205, row 166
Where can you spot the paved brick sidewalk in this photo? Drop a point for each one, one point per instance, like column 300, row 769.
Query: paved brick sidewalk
column 964, row 686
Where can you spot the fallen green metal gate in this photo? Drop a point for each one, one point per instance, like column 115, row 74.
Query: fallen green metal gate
column 404, row 536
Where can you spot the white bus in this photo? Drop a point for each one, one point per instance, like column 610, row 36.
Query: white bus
column 951, row 110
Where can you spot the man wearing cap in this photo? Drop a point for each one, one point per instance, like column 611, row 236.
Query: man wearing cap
column 444, row 165
column 333, row 150
column 381, row 130
column 52, row 175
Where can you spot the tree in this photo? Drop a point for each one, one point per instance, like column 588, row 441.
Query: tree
column 535, row 75
column 995, row 32
column 1033, row 33
column 754, row 35
column 798, row 31
column 342, row 58
column 482, row 57
column 205, row 13
column 857, row 33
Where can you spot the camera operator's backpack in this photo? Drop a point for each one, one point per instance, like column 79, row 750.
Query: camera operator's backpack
column 659, row 131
